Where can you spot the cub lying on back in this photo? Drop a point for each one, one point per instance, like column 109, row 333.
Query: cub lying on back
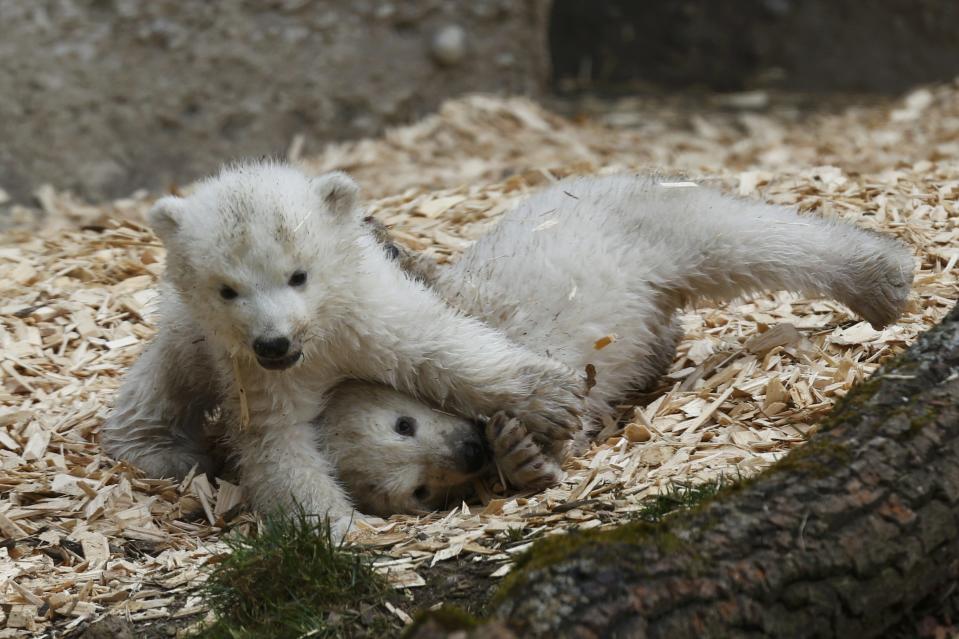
column 581, row 260
column 274, row 292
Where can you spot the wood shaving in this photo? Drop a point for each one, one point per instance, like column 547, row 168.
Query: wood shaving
column 84, row 536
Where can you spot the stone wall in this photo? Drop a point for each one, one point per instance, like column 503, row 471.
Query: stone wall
column 104, row 96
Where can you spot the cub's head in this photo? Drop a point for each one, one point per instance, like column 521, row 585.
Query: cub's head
column 395, row 454
column 263, row 255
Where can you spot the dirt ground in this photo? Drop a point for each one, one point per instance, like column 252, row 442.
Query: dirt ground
column 106, row 97
column 84, row 537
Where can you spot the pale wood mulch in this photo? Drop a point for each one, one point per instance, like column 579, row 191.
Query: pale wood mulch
column 83, row 536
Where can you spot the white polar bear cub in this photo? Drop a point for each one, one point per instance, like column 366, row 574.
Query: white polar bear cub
column 275, row 291
column 579, row 261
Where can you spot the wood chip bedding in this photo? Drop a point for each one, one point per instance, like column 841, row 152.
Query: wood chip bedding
column 82, row 536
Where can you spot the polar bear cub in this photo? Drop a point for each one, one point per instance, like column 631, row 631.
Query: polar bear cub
column 587, row 262
column 274, row 292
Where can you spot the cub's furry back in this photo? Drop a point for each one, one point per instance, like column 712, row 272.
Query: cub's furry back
column 617, row 256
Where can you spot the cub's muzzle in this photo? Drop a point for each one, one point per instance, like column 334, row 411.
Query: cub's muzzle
column 276, row 353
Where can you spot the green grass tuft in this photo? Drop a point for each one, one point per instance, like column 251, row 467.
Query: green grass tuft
column 679, row 497
column 292, row 580
column 515, row 533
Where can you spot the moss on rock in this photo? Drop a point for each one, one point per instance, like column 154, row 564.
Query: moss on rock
column 446, row 618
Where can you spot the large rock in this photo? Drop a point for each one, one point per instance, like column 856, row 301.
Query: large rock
column 104, row 96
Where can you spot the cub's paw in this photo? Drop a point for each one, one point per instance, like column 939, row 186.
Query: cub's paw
column 176, row 464
column 879, row 283
column 343, row 525
column 553, row 409
column 523, row 463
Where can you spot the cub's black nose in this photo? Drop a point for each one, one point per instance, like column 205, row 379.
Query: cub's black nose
column 272, row 348
column 472, row 456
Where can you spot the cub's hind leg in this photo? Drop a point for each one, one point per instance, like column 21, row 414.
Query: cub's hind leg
column 719, row 247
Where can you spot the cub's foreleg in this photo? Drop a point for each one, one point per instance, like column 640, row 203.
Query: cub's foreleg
column 158, row 419
column 284, row 469
column 419, row 345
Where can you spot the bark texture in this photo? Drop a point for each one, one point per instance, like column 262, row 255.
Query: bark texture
column 842, row 538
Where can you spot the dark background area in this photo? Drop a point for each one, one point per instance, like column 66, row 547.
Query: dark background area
column 807, row 45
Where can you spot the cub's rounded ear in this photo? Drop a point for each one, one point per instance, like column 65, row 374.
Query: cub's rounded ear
column 338, row 191
column 165, row 216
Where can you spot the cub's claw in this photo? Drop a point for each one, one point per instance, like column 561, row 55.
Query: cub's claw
column 522, row 462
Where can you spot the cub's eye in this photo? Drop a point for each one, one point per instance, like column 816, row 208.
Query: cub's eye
column 421, row 493
column 297, row 279
column 227, row 293
column 405, row 426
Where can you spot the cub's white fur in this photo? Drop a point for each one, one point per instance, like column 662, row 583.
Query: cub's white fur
column 589, row 258
column 275, row 291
